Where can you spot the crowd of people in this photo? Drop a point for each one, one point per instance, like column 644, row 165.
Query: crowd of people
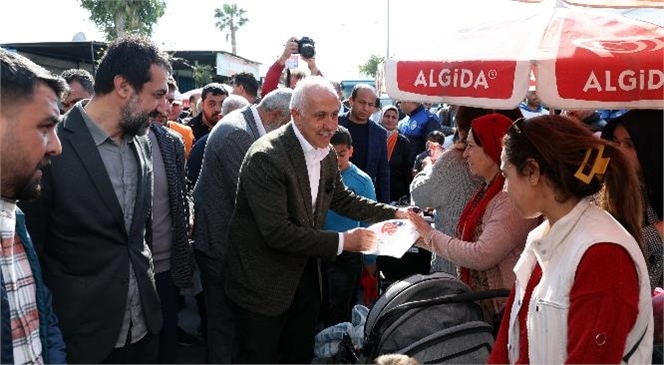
column 117, row 201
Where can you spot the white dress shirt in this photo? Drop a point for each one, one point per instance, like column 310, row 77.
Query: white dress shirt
column 313, row 157
column 259, row 122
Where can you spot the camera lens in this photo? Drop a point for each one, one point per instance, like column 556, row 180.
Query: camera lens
column 307, row 50
column 305, row 47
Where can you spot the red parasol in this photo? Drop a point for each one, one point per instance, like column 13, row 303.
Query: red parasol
column 580, row 59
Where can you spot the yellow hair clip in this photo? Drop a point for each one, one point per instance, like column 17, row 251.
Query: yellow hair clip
column 598, row 166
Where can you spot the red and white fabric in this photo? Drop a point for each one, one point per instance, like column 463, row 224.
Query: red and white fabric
column 579, row 59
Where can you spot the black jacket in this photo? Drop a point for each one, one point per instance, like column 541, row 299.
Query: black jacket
column 198, row 126
column 77, row 225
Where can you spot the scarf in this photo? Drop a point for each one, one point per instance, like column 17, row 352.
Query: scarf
column 489, row 130
column 391, row 143
column 21, row 289
column 472, row 215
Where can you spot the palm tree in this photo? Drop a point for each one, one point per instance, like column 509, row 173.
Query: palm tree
column 230, row 17
column 115, row 18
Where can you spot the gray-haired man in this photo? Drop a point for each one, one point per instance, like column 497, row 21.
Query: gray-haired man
column 214, row 199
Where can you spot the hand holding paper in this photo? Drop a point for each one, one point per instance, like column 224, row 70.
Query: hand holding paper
column 359, row 239
column 421, row 225
column 395, row 237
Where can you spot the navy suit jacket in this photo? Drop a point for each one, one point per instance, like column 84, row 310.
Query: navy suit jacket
column 378, row 168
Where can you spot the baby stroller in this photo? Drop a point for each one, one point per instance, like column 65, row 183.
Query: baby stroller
column 432, row 318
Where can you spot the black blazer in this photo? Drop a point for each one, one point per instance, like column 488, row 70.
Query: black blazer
column 401, row 165
column 85, row 250
column 274, row 231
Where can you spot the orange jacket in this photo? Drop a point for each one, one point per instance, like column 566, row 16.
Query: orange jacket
column 186, row 133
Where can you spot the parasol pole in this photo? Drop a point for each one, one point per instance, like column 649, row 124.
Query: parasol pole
column 387, row 52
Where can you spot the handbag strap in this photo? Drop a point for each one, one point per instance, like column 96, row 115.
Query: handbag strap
column 636, row 345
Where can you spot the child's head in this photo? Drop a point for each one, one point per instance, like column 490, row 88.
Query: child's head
column 343, row 144
column 395, row 359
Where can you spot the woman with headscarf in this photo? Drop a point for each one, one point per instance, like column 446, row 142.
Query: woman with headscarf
column 491, row 233
column 398, row 155
column 582, row 293
column 447, row 185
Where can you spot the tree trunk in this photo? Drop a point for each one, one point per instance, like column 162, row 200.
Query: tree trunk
column 233, row 28
column 119, row 24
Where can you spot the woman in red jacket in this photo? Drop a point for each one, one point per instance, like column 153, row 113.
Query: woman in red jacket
column 582, row 293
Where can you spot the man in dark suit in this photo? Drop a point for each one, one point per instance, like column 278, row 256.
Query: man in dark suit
column 369, row 139
column 214, row 198
column 90, row 222
column 288, row 181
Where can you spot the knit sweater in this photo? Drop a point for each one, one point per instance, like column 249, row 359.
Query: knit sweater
column 446, row 186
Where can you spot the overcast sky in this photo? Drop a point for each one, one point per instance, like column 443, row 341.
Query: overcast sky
column 346, row 32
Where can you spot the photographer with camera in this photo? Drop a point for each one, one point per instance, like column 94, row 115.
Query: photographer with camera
column 305, row 48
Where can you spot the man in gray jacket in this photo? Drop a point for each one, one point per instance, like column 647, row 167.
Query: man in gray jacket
column 214, row 199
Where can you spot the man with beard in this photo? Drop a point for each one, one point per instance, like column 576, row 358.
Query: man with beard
column 91, row 218
column 214, row 198
column 28, row 115
column 212, row 97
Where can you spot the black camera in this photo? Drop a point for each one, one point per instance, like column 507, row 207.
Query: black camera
column 305, row 47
